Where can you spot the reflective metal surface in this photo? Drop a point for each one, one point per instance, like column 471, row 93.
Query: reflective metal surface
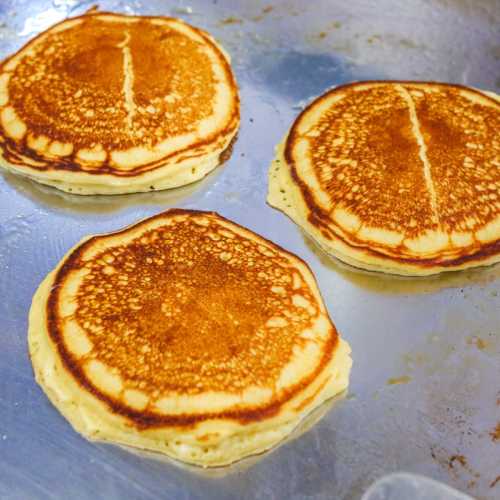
column 425, row 392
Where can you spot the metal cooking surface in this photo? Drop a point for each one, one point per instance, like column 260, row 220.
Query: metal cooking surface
column 424, row 394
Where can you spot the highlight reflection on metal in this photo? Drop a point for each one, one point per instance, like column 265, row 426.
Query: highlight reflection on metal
column 424, row 387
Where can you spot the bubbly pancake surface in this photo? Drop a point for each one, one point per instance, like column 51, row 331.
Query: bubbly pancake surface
column 187, row 319
column 396, row 176
column 106, row 96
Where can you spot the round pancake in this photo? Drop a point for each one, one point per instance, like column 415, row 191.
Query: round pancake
column 400, row 177
column 107, row 103
column 185, row 334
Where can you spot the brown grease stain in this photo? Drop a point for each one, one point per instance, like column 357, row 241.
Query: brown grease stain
column 478, row 342
column 264, row 12
column 457, row 458
column 327, row 30
column 454, row 464
column 230, row 20
column 495, row 433
column 399, row 380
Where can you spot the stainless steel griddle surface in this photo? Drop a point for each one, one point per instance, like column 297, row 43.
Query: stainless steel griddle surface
column 425, row 385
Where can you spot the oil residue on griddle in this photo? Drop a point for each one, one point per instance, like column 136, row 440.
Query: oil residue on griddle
column 324, row 33
column 457, row 458
column 404, row 379
column 230, row 20
column 454, row 462
column 478, row 342
column 240, row 20
column 263, row 14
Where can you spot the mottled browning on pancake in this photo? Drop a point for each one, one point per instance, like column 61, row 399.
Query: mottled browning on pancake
column 365, row 156
column 83, row 75
column 110, row 83
column 463, row 147
column 187, row 308
column 407, row 157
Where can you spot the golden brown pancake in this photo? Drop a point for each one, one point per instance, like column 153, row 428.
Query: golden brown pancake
column 185, row 334
column 106, row 103
column 400, row 177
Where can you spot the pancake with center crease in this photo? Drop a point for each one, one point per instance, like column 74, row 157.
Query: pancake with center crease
column 399, row 177
column 185, row 334
column 107, row 103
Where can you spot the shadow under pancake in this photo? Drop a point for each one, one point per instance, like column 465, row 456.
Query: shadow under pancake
column 246, row 463
column 55, row 198
column 380, row 282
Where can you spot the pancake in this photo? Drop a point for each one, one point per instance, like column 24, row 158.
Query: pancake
column 399, row 177
column 107, row 104
column 185, row 334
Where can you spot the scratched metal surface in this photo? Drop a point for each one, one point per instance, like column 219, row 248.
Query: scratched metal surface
column 439, row 338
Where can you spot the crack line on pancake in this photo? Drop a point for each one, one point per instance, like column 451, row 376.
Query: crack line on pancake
column 422, row 151
column 128, row 80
